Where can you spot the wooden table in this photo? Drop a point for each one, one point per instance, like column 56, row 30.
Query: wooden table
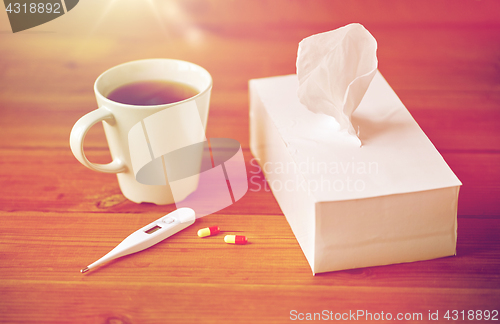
column 442, row 59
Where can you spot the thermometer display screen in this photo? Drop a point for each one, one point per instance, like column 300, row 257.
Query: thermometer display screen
column 153, row 229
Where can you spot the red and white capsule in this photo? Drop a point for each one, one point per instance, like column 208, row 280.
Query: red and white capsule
column 208, row 231
column 235, row 239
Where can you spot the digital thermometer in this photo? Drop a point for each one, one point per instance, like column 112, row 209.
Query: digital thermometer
column 149, row 235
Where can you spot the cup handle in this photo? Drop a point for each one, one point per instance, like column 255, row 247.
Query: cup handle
column 77, row 136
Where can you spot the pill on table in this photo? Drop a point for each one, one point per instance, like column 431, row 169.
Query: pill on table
column 208, row 231
column 235, row 239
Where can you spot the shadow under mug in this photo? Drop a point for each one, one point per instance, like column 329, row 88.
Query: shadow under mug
column 118, row 119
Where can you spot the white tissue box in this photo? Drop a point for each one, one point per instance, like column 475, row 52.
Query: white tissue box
column 393, row 200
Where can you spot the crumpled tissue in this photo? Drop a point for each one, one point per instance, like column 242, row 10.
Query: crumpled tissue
column 334, row 70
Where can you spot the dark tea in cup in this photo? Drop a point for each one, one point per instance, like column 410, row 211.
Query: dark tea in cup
column 152, row 93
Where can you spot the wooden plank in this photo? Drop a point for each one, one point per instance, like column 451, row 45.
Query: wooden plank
column 63, row 243
column 337, row 12
column 421, row 69
column 131, row 303
column 415, row 57
column 465, row 130
column 44, row 261
column 469, row 128
column 45, row 180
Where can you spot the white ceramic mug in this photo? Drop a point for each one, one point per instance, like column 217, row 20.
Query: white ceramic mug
column 118, row 119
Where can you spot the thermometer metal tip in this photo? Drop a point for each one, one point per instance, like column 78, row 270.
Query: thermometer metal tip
column 149, row 235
